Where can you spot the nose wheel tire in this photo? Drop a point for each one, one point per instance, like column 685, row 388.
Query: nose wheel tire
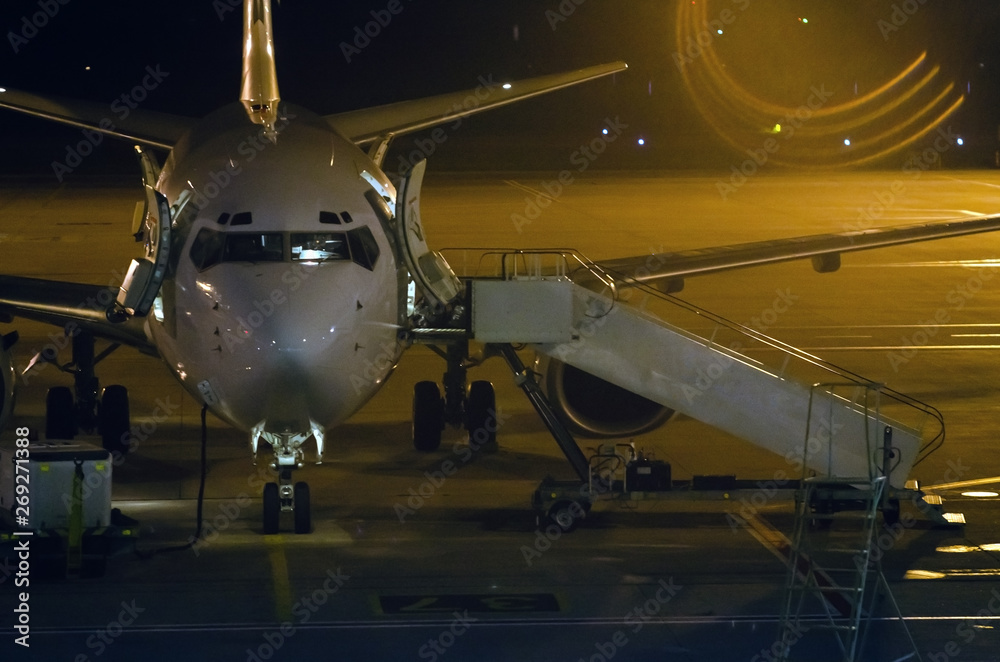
column 272, row 508
column 303, row 516
column 428, row 416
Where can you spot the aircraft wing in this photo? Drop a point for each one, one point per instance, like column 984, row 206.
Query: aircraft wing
column 667, row 271
column 395, row 119
column 73, row 306
column 116, row 119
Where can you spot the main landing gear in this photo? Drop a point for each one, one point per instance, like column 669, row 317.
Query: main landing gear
column 284, row 495
column 85, row 407
column 473, row 408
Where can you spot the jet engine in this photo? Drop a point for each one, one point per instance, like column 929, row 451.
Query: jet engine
column 594, row 408
column 7, row 378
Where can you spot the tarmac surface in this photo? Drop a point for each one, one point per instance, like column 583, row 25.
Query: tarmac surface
column 407, row 564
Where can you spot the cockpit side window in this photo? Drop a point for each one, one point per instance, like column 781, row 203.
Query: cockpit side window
column 364, row 248
column 319, row 246
column 206, row 250
column 254, row 247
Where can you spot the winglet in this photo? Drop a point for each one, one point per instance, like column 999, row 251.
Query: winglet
column 259, row 94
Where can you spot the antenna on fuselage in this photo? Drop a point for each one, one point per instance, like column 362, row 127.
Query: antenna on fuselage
column 259, row 94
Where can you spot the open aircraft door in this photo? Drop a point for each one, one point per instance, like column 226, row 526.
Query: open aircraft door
column 151, row 224
column 429, row 269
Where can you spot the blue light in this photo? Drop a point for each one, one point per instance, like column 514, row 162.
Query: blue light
column 960, row 142
column 847, row 142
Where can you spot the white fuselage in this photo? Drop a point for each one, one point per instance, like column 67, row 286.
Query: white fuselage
column 267, row 314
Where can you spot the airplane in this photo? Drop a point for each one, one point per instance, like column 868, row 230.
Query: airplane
column 284, row 273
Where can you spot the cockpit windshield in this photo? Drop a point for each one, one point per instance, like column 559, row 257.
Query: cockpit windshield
column 211, row 247
column 319, row 246
column 254, row 247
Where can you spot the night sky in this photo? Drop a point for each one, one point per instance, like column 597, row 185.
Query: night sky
column 435, row 47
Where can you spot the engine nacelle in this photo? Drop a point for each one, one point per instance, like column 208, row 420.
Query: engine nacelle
column 7, row 378
column 594, row 408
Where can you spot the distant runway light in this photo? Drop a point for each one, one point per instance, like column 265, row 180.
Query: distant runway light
column 2, row 90
column 506, row 86
column 847, row 142
column 960, row 142
column 605, row 132
column 642, row 141
column 719, row 31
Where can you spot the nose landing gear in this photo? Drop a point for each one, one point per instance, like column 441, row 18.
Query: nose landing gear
column 284, row 495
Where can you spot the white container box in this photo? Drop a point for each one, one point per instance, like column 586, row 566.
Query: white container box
column 522, row 311
column 51, row 469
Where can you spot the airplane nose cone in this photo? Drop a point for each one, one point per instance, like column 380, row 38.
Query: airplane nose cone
column 315, row 340
column 299, row 319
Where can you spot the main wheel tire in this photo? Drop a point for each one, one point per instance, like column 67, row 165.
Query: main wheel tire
column 115, row 420
column 891, row 513
column 272, row 508
column 480, row 416
column 303, row 515
column 428, row 416
column 566, row 515
column 60, row 417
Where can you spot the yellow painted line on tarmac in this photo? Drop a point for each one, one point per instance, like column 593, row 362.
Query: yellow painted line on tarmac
column 773, row 540
column 279, row 577
column 778, row 544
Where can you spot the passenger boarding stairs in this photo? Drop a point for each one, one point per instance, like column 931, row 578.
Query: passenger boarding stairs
column 724, row 374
